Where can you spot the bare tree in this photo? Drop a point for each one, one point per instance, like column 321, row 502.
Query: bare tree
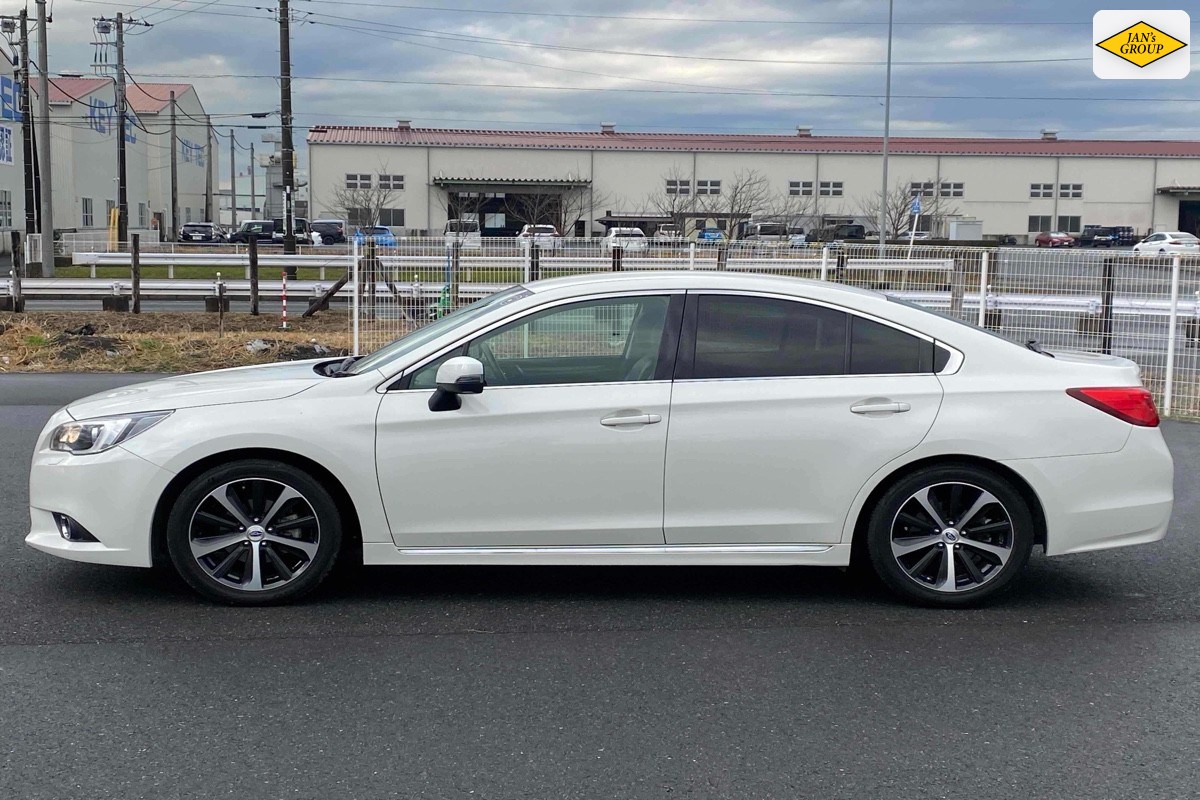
column 897, row 206
column 791, row 209
column 675, row 198
column 537, row 208
column 362, row 204
column 576, row 204
column 747, row 194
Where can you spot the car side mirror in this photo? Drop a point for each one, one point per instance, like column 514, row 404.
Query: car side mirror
column 458, row 376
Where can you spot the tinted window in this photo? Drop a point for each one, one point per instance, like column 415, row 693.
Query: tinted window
column 758, row 337
column 877, row 349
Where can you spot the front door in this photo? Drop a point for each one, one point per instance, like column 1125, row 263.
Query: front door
column 565, row 446
column 781, row 412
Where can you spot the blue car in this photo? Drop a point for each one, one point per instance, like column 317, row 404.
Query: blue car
column 382, row 235
column 709, row 236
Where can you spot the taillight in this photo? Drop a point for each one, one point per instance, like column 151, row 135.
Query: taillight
column 1133, row 404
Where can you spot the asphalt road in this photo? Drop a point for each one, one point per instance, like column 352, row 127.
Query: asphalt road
column 594, row 683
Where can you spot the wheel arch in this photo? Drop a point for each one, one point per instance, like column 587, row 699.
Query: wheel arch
column 859, row 541
column 352, row 537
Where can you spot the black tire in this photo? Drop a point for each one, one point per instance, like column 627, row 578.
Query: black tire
column 292, row 559
column 978, row 574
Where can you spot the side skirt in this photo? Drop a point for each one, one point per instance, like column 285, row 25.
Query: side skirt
column 819, row 555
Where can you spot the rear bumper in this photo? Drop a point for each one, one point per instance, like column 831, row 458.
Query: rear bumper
column 1098, row 502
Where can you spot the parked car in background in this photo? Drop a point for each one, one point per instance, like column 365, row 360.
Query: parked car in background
column 667, row 418
column 1054, row 239
column 380, row 234
column 1168, row 243
column 330, row 231
column 463, row 232
column 836, row 233
column 775, row 233
column 201, row 233
column 797, row 238
column 299, row 228
column 1097, row 236
column 709, row 236
column 668, row 234
column 258, row 229
column 918, row 236
column 546, row 237
column 628, row 240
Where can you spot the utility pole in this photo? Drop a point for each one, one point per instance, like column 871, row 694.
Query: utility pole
column 174, row 174
column 27, row 127
column 285, row 108
column 232, row 180
column 253, row 189
column 47, row 216
column 887, row 129
column 122, row 187
column 208, row 169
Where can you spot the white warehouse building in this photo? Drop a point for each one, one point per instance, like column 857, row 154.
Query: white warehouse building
column 420, row 177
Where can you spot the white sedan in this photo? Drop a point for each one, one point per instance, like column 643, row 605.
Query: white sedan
column 656, row 418
column 1168, row 243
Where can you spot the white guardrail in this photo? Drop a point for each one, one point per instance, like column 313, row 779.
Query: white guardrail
column 77, row 288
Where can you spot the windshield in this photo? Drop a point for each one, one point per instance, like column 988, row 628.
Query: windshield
column 421, row 336
column 540, row 229
column 772, row 230
column 198, row 226
column 456, row 226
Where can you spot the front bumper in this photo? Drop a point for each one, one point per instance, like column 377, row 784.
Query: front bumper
column 112, row 494
column 1107, row 500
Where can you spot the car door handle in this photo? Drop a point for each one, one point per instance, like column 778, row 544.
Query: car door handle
column 880, row 407
column 632, row 419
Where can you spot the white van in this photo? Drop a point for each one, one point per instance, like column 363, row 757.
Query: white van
column 628, row 240
column 465, row 232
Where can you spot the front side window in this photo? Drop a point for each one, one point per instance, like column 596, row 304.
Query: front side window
column 597, row 341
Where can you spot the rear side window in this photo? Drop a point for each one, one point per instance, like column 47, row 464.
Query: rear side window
column 877, row 349
column 758, row 337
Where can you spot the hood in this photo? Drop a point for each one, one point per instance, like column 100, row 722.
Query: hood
column 237, row 385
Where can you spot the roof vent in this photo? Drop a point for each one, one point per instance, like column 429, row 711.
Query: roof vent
column 1049, row 135
column 804, row 130
column 404, row 124
column 608, row 127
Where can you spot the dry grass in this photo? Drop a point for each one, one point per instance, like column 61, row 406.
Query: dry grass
column 160, row 342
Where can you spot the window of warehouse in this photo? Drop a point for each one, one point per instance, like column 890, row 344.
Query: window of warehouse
column 88, row 218
column 1069, row 224
column 708, row 187
column 920, row 190
column 5, row 208
column 143, row 215
column 1070, row 190
column 393, row 182
column 1041, row 190
column 951, row 189
column 831, row 188
column 1038, row 224
column 679, row 187
column 391, row 217
column 800, row 188
column 358, row 181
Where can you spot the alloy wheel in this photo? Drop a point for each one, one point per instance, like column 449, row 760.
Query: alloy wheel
column 952, row 537
column 254, row 534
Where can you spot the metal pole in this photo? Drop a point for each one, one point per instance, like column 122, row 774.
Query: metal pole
column 47, row 216
column 253, row 189
column 354, row 311
column 1172, row 335
column 135, row 268
column 983, row 282
column 285, row 108
column 887, row 129
column 825, row 263
column 122, row 188
column 208, row 170
column 232, row 181
column 27, row 128
column 174, row 174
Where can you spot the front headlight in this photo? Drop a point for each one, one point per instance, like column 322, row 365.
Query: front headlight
column 103, row 433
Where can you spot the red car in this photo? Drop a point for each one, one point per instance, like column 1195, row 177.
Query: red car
column 1054, row 239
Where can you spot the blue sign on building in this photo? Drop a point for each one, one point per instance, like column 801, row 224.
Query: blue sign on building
column 101, row 119
column 10, row 99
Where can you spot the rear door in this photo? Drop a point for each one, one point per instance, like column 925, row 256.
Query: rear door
column 781, row 412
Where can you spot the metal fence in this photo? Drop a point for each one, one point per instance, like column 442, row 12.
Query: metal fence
column 1144, row 309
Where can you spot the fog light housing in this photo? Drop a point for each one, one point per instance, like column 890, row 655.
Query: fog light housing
column 71, row 530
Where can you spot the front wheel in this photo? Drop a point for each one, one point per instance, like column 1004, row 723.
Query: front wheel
column 254, row 532
column 950, row 536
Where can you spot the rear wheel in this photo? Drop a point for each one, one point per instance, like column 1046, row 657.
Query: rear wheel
column 254, row 532
column 950, row 536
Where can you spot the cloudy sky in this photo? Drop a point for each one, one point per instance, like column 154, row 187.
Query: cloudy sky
column 753, row 66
